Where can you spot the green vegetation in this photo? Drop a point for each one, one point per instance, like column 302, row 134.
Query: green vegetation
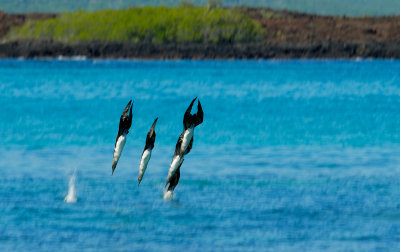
column 149, row 24
column 328, row 7
column 269, row 14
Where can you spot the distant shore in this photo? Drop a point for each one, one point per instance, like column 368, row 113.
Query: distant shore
column 100, row 49
column 287, row 35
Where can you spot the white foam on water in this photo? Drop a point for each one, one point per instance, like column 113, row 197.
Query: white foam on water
column 71, row 196
column 75, row 58
column 168, row 195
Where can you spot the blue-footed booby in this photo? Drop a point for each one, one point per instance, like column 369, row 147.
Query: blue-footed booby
column 146, row 154
column 184, row 144
column 125, row 123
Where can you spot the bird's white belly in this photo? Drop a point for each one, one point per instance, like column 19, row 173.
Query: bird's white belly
column 187, row 137
column 119, row 147
column 176, row 162
column 144, row 161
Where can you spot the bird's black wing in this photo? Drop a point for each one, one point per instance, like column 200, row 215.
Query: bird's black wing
column 198, row 117
column 178, row 145
column 187, row 118
column 189, row 146
column 151, row 136
column 125, row 120
column 175, row 179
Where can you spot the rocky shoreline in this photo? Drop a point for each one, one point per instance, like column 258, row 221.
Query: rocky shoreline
column 287, row 35
column 100, row 49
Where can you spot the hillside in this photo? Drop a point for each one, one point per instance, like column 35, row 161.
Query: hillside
column 322, row 7
column 148, row 24
column 188, row 32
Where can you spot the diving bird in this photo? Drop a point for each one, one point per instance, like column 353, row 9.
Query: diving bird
column 146, row 155
column 125, row 123
column 184, row 144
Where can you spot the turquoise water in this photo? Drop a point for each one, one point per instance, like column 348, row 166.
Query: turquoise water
column 297, row 155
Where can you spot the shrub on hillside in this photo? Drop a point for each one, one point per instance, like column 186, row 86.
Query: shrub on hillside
column 149, row 24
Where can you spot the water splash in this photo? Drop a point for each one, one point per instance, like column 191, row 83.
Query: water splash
column 168, row 195
column 71, row 196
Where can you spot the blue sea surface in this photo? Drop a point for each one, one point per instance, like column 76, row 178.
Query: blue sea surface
column 293, row 155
